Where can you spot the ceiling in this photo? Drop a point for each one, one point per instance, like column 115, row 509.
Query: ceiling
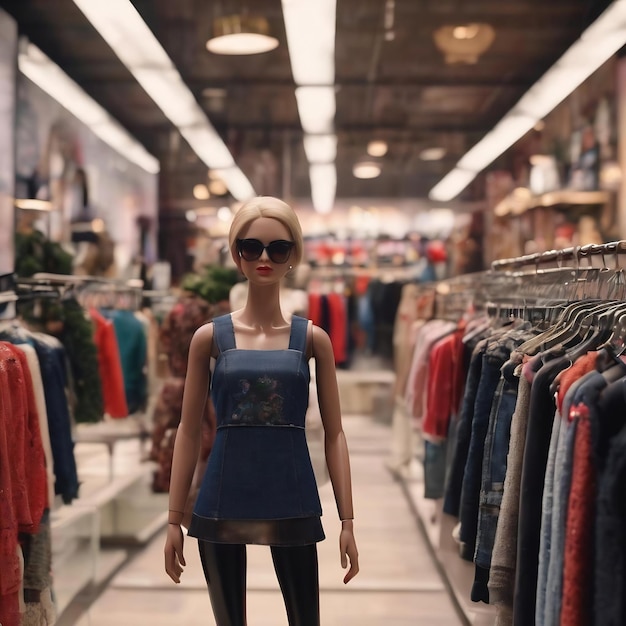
column 401, row 91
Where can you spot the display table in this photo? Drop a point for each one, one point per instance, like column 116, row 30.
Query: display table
column 110, row 432
column 116, row 510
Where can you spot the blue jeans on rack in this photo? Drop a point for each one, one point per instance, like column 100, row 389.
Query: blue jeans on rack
column 494, row 461
column 488, row 398
column 452, row 496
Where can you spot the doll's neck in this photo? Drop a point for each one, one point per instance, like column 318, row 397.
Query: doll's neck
column 262, row 308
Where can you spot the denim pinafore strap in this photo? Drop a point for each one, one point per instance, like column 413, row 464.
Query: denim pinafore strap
column 224, row 333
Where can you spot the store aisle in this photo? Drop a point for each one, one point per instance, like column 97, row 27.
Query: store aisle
column 398, row 584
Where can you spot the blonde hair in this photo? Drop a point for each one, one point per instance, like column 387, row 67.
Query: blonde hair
column 267, row 206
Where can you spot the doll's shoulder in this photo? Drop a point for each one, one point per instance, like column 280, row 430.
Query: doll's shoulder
column 203, row 340
column 320, row 345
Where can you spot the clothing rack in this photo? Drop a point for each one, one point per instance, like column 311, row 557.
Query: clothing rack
column 589, row 276
column 96, row 291
column 575, row 253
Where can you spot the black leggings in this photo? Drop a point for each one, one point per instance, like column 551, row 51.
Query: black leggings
column 296, row 568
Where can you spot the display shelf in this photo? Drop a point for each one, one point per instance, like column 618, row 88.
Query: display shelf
column 110, row 433
column 75, row 552
column 130, row 513
column 73, row 578
column 116, row 509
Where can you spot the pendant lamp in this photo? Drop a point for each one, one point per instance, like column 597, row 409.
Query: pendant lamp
column 239, row 34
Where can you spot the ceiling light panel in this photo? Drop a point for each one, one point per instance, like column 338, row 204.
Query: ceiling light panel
column 596, row 45
column 208, row 145
column 451, row 185
column 310, row 28
column 320, row 148
column 237, row 183
column 172, row 96
column 505, row 133
column 123, row 28
column 316, row 107
column 323, row 186
column 49, row 77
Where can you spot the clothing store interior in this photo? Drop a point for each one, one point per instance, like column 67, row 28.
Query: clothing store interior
column 455, row 168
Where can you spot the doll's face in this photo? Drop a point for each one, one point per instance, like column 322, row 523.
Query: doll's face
column 266, row 269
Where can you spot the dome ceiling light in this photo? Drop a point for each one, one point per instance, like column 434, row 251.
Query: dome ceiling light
column 240, row 35
column 201, row 192
column 217, row 187
column 432, row 154
column 377, row 148
column 464, row 43
column 366, row 169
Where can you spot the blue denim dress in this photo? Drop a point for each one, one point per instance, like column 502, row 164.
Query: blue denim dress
column 259, row 486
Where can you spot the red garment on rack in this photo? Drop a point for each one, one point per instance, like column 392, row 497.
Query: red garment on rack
column 110, row 366
column 568, row 377
column 578, row 550
column 338, row 326
column 23, row 478
column 446, row 379
column 315, row 308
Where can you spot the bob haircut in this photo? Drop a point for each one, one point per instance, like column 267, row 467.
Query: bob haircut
column 267, row 206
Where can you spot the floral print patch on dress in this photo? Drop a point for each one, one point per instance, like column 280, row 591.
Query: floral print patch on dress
column 259, row 402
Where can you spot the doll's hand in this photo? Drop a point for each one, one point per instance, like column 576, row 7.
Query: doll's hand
column 347, row 550
column 174, row 559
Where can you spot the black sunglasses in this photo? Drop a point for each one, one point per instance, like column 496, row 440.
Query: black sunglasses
column 251, row 249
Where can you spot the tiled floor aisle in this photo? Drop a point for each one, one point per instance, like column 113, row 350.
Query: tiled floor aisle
column 398, row 584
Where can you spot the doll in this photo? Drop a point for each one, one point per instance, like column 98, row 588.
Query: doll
column 259, row 486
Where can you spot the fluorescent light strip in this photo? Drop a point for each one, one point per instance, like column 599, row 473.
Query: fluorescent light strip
column 310, row 29
column 123, row 28
column 49, row 77
column 320, row 148
column 323, row 186
column 316, row 107
column 595, row 46
column 234, row 178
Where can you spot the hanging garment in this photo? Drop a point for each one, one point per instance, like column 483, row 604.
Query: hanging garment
column 338, row 318
column 77, row 337
column 503, row 559
column 110, row 366
column 539, row 430
column 22, row 475
column 556, row 491
column 53, row 364
column 131, row 340
column 42, row 413
column 497, row 353
column 610, row 533
column 493, row 473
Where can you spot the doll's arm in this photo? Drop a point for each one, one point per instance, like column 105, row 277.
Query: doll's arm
column 336, row 448
column 187, row 445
